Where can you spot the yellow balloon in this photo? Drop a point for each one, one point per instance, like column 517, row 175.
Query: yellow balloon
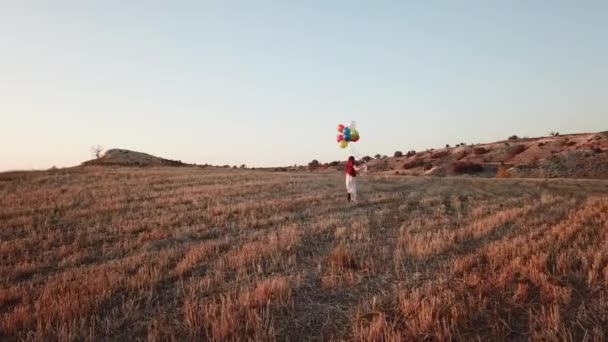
column 343, row 144
column 354, row 135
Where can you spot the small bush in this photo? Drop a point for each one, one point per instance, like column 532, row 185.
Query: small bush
column 513, row 137
column 410, row 153
column 314, row 164
column 466, row 168
column 398, row 154
column 334, row 163
column 377, row 156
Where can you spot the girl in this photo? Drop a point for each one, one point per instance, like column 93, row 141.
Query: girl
column 351, row 180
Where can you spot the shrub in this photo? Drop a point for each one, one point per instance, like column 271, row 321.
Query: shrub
column 398, row 154
column 447, row 145
column 367, row 158
column 411, row 153
column 554, row 134
column 377, row 156
column 513, row 137
column 334, row 163
column 461, row 167
column 314, row 164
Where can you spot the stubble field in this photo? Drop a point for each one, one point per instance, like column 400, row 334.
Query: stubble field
column 229, row 255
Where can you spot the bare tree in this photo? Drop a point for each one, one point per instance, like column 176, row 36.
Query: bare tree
column 97, row 151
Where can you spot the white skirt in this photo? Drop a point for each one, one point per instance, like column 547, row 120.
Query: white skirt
column 351, row 184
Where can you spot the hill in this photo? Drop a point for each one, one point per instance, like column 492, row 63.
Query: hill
column 567, row 156
column 120, row 157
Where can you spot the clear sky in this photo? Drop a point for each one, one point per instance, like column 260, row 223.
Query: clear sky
column 266, row 82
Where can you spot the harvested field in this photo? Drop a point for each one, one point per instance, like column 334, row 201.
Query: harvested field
column 227, row 255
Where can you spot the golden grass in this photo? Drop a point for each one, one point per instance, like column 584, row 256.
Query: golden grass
column 178, row 254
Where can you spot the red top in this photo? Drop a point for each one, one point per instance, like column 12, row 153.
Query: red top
column 350, row 169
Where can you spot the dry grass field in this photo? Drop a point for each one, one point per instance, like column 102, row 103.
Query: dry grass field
column 162, row 254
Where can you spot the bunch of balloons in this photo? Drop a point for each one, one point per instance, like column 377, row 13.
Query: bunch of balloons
column 347, row 135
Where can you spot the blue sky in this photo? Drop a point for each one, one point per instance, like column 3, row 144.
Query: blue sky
column 266, row 82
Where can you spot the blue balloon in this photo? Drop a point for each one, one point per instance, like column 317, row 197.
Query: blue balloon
column 347, row 131
column 347, row 137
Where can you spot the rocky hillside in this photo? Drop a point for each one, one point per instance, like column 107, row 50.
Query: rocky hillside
column 568, row 156
column 118, row 157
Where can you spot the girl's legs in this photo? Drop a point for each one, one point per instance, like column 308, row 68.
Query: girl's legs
column 349, row 187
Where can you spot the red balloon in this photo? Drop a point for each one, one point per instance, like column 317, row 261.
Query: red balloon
column 340, row 128
column 339, row 138
column 354, row 139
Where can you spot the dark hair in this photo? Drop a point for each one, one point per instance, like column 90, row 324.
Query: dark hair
column 351, row 158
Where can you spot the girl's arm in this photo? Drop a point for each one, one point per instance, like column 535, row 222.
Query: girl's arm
column 359, row 168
